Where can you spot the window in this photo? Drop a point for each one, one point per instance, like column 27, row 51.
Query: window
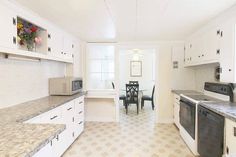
column 100, row 66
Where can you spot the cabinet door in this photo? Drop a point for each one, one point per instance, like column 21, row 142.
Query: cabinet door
column 212, row 44
column 52, row 117
column 227, row 46
column 230, row 128
column 69, row 119
column 8, row 29
column 188, row 52
column 55, row 42
column 68, row 47
column 45, row 151
column 198, row 50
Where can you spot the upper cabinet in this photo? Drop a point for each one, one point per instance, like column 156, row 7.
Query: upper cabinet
column 8, row 31
column 215, row 45
column 227, row 52
column 25, row 34
column 203, row 48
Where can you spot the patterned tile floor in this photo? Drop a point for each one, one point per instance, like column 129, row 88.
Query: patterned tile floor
column 135, row 136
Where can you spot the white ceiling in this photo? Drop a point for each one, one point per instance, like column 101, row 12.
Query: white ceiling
column 115, row 20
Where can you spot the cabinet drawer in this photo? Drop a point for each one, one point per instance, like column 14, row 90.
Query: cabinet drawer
column 53, row 116
column 68, row 108
column 79, row 105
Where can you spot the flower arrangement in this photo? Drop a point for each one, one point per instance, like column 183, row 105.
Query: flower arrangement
column 27, row 34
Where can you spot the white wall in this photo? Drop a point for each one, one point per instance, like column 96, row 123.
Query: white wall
column 22, row 81
column 147, row 80
column 204, row 73
column 181, row 78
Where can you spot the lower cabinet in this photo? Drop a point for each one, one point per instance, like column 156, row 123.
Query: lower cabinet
column 72, row 115
column 176, row 110
column 45, row 151
column 230, row 138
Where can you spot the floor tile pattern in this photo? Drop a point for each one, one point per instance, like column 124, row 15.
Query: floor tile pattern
column 135, row 136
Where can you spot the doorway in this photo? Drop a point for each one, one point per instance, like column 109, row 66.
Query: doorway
column 145, row 73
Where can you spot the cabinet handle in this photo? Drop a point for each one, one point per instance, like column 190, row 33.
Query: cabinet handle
column 51, row 143
column 199, row 56
column 57, row 137
column 73, row 134
column 53, row 117
column 227, row 150
column 14, row 40
column 72, row 46
column 14, row 21
column 80, row 122
column 69, row 109
column 73, row 119
column 203, row 55
column 80, row 112
column 49, row 36
column 81, row 102
column 218, row 51
column 49, row 49
column 61, row 52
column 218, row 32
column 230, row 70
column 221, row 34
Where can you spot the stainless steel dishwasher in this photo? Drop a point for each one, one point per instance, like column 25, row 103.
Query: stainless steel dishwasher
column 210, row 133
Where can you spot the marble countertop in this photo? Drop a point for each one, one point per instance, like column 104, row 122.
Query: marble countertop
column 185, row 92
column 226, row 109
column 18, row 139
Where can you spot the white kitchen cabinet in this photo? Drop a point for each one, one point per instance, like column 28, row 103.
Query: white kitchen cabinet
column 230, row 137
column 176, row 110
column 203, row 48
column 8, row 31
column 55, row 42
column 72, row 115
column 46, row 151
column 79, row 116
column 227, row 53
column 68, row 118
column 68, row 47
column 52, row 117
column 211, row 44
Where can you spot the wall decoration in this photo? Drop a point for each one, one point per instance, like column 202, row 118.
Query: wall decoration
column 136, row 68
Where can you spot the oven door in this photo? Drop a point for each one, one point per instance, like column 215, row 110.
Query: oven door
column 187, row 116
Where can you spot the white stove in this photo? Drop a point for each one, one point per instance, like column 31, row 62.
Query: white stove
column 189, row 107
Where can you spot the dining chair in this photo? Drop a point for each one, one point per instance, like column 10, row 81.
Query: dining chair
column 148, row 98
column 133, row 82
column 132, row 93
column 122, row 96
